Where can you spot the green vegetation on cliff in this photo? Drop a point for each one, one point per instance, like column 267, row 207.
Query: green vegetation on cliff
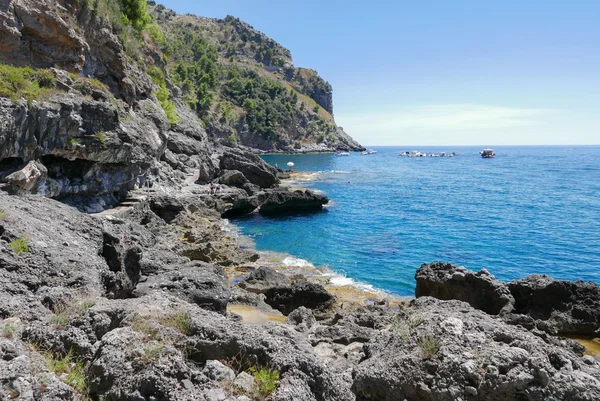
column 25, row 82
column 243, row 84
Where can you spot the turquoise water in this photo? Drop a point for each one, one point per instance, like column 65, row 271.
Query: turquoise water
column 529, row 210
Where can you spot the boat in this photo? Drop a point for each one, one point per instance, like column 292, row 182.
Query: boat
column 342, row 154
column 487, row 153
column 368, row 152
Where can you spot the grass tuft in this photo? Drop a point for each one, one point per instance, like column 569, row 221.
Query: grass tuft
column 266, row 380
column 9, row 331
column 65, row 312
column 101, row 137
column 145, row 326
column 182, row 322
column 429, row 347
column 69, row 370
column 19, row 245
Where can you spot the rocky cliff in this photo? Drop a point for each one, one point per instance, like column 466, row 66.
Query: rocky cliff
column 100, row 97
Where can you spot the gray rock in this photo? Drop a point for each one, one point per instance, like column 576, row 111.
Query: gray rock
column 282, row 201
column 251, row 166
column 263, row 279
column 558, row 307
column 481, row 290
column 244, row 382
column 215, row 370
column 232, row 178
column 30, row 179
column 302, row 318
column 309, row 295
column 535, row 302
column 500, row 361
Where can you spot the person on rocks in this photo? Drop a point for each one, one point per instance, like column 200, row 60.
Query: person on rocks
column 212, row 189
column 218, row 191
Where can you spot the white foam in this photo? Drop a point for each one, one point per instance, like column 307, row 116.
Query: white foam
column 338, row 280
column 294, row 261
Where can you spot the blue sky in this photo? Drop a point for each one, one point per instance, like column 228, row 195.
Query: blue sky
column 443, row 72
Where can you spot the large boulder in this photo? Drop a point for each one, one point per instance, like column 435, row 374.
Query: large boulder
column 558, row 307
column 263, row 279
column 284, row 294
column 196, row 282
column 31, row 179
column 309, row 295
column 232, row 178
column 481, row 290
column 255, row 169
column 537, row 301
column 282, row 201
column 446, row 351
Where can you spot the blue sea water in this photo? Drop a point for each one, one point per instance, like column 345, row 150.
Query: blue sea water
column 529, row 210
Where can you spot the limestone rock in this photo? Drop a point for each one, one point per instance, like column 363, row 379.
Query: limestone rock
column 481, row 290
column 251, row 166
column 281, row 201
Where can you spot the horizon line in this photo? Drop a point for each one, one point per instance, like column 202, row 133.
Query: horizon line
column 488, row 145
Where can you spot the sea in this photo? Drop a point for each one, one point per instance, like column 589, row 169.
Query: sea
column 528, row 210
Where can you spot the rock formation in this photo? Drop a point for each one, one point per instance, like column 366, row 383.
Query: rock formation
column 537, row 301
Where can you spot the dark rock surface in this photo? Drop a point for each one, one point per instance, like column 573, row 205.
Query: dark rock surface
column 309, row 295
column 481, row 290
column 251, row 166
column 281, row 201
column 558, row 307
column 264, row 279
column 445, row 350
column 537, row 301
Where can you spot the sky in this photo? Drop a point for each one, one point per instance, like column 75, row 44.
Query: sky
column 460, row 72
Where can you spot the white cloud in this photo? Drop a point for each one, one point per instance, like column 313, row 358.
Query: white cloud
column 444, row 117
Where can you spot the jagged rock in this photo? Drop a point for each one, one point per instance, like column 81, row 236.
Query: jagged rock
column 29, row 180
column 284, row 297
column 309, row 295
column 445, row 350
column 232, row 178
column 196, row 282
column 302, row 318
column 251, row 166
column 284, row 201
column 558, row 307
column 263, row 279
column 481, row 290
column 245, row 383
column 537, row 301
column 217, row 371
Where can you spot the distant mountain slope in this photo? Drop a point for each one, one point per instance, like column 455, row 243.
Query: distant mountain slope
column 245, row 87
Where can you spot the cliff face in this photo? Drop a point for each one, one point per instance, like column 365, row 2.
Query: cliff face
column 245, row 87
column 103, row 97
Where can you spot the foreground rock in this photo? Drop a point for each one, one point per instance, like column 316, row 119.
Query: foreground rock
column 537, row 301
column 445, row 351
column 285, row 295
column 481, row 290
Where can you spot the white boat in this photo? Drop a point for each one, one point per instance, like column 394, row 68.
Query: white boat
column 487, row 153
column 342, row 154
column 368, row 152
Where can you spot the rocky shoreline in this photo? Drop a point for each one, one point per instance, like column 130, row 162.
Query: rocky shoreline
column 157, row 302
column 119, row 282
